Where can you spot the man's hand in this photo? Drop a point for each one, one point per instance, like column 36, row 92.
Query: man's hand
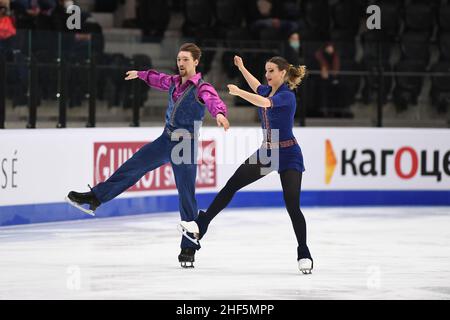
column 233, row 90
column 133, row 74
column 222, row 121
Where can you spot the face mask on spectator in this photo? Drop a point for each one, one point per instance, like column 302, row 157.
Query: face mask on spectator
column 295, row 44
column 3, row 9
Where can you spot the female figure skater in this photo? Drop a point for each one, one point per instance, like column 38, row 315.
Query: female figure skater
column 277, row 104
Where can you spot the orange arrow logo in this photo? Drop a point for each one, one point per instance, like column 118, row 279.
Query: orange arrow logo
column 330, row 161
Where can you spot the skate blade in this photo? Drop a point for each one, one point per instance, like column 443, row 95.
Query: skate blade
column 185, row 233
column 184, row 265
column 76, row 205
column 306, row 271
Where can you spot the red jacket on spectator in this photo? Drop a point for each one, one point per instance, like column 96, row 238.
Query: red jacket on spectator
column 7, row 27
column 335, row 64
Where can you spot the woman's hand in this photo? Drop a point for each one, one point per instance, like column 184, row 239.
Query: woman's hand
column 238, row 62
column 233, row 90
column 133, row 74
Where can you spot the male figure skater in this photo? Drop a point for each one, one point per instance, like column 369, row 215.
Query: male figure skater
column 188, row 97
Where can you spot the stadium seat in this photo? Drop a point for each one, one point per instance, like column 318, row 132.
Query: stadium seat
column 444, row 18
column 376, row 44
column 349, row 84
column 235, row 40
column 419, row 17
column 229, row 14
column 390, row 19
column 269, row 38
column 399, row 4
column 407, row 88
column 440, row 87
column 198, row 17
column 153, row 17
column 142, row 62
column 344, row 41
column 444, row 46
column 289, row 10
column 115, row 89
column 346, row 15
column 317, row 17
column 415, row 46
column 433, row 3
column 372, row 81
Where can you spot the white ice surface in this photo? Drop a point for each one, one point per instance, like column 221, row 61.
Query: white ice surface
column 359, row 253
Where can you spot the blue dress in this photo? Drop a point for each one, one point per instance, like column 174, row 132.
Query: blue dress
column 280, row 116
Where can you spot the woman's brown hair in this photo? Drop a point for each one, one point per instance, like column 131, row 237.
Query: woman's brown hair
column 294, row 75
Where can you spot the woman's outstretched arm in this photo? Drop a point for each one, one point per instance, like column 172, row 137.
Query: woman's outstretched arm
column 251, row 80
column 253, row 98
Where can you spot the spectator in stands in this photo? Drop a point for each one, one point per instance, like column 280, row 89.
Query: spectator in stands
column 293, row 48
column 7, row 26
column 17, row 75
column 268, row 19
column 26, row 12
column 153, row 18
column 75, row 38
column 329, row 63
column 44, row 20
column 60, row 15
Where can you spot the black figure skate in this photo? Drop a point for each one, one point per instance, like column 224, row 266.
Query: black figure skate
column 187, row 257
column 77, row 199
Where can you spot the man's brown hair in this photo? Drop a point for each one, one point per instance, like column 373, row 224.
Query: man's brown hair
column 193, row 49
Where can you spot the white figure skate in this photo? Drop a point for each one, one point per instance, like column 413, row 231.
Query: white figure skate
column 186, row 227
column 305, row 265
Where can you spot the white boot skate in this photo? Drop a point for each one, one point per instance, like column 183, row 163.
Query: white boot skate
column 305, row 265
column 186, row 227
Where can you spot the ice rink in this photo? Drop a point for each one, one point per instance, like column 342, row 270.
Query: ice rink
column 359, row 253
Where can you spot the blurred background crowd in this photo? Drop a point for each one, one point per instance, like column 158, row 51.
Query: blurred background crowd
column 354, row 73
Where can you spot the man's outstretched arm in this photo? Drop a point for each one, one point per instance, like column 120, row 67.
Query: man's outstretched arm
column 216, row 107
column 152, row 78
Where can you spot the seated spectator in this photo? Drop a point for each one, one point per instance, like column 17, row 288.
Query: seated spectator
column 17, row 74
column 44, row 20
column 26, row 12
column 153, row 17
column 293, row 48
column 59, row 15
column 329, row 63
column 268, row 19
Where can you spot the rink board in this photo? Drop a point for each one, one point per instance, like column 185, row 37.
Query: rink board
column 344, row 167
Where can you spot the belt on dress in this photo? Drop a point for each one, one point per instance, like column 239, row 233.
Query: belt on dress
column 178, row 135
column 280, row 144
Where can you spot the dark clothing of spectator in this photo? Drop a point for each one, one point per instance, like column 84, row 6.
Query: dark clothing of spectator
column 329, row 62
column 268, row 18
column 33, row 14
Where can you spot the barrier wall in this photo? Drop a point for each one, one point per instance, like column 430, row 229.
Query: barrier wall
column 344, row 167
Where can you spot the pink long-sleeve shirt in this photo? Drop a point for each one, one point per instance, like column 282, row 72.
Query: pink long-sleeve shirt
column 205, row 91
